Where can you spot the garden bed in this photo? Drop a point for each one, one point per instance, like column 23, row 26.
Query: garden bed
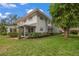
column 38, row 35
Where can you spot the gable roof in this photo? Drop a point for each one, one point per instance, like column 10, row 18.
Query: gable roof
column 30, row 14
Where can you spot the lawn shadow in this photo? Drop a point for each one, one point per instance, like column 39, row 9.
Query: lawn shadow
column 74, row 36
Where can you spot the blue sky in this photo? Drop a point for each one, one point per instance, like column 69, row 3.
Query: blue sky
column 21, row 9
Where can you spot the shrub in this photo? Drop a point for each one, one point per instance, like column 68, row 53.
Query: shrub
column 13, row 34
column 37, row 35
column 74, row 32
column 33, row 34
column 3, row 33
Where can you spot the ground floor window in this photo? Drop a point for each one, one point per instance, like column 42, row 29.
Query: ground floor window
column 12, row 30
column 31, row 29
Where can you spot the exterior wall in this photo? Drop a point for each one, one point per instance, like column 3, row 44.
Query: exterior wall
column 33, row 20
column 41, row 24
column 9, row 28
column 20, row 23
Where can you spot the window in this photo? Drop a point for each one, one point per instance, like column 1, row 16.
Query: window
column 10, row 29
column 30, row 18
column 31, row 29
column 41, row 18
column 41, row 29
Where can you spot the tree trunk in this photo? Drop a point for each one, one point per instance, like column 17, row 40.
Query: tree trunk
column 66, row 33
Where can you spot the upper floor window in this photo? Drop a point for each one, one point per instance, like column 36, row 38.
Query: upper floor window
column 41, row 18
column 30, row 18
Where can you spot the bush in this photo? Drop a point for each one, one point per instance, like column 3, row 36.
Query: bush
column 3, row 33
column 74, row 32
column 13, row 34
column 37, row 35
column 33, row 34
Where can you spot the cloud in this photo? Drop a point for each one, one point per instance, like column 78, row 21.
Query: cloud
column 8, row 5
column 7, row 13
column 2, row 16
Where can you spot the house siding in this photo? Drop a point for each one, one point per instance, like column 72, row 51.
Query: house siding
column 41, row 24
column 31, row 21
column 28, row 21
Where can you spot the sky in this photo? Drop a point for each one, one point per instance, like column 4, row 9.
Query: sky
column 22, row 9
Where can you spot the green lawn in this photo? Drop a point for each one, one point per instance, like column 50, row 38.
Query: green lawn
column 48, row 46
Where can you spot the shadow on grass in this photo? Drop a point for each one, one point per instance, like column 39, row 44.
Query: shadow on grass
column 74, row 36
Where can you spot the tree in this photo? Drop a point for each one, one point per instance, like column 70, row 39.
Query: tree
column 9, row 20
column 12, row 19
column 65, row 16
column 3, row 27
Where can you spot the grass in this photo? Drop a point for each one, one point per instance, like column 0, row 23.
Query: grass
column 48, row 46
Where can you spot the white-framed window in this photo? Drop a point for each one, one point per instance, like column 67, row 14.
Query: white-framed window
column 41, row 18
column 41, row 29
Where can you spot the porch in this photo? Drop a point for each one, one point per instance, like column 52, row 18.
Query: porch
column 24, row 30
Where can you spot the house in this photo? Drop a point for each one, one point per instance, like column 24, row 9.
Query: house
column 11, row 28
column 34, row 21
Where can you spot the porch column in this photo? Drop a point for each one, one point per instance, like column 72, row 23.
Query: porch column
column 17, row 29
column 24, row 31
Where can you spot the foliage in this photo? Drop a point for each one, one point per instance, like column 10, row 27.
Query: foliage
column 65, row 16
column 3, row 33
column 3, row 29
column 12, row 19
column 33, row 34
column 9, row 20
column 38, row 35
column 73, row 32
column 13, row 34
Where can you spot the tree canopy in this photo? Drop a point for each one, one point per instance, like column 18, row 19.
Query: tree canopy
column 9, row 20
column 64, row 15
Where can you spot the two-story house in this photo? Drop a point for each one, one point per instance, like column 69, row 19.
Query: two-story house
column 34, row 21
